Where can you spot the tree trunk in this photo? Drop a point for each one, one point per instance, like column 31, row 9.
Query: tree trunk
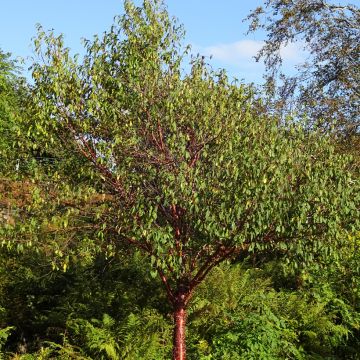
column 179, row 345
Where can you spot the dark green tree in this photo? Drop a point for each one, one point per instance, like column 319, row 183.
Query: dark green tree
column 181, row 166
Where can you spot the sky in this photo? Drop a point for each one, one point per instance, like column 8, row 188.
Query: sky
column 212, row 27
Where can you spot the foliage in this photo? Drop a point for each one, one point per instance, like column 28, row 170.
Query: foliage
column 140, row 336
column 137, row 169
column 13, row 97
column 4, row 334
column 237, row 314
column 41, row 303
column 326, row 86
column 189, row 169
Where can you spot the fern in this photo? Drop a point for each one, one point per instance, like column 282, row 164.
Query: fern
column 237, row 314
column 97, row 337
column 146, row 335
column 4, row 334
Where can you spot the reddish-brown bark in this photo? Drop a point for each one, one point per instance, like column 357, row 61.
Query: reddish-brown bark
column 179, row 345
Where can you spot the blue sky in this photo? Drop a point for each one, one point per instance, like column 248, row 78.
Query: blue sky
column 212, row 27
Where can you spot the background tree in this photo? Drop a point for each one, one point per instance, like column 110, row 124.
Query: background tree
column 182, row 167
column 13, row 97
column 326, row 85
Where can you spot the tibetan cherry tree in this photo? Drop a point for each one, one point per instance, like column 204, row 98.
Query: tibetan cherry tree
column 185, row 165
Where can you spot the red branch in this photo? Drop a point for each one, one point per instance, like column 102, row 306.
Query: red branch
column 169, row 291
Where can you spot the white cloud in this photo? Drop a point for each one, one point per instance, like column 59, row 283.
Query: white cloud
column 234, row 52
column 293, row 52
column 243, row 51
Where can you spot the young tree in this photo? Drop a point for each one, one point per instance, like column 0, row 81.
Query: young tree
column 183, row 166
column 326, row 85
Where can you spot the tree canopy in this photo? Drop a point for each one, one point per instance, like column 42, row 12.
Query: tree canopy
column 326, row 85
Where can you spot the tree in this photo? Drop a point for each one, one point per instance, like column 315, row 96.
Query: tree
column 12, row 91
column 181, row 166
column 326, row 86
column 13, row 106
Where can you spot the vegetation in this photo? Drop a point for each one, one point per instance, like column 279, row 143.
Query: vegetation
column 140, row 200
column 326, row 86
